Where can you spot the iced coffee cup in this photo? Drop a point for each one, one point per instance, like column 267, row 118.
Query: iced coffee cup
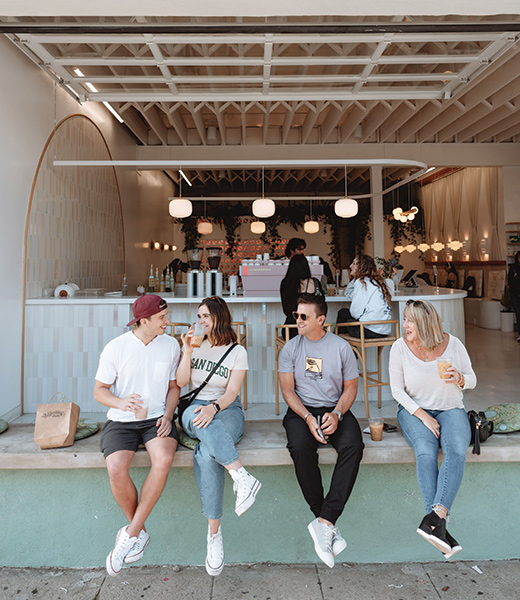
column 376, row 428
column 331, row 290
column 198, row 335
column 141, row 413
column 443, row 364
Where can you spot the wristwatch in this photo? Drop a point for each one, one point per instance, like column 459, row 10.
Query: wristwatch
column 340, row 415
column 216, row 406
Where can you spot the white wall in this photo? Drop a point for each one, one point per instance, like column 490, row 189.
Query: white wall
column 27, row 117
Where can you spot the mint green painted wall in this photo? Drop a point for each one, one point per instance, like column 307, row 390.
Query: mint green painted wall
column 68, row 518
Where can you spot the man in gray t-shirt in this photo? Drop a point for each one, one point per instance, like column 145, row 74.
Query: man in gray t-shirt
column 318, row 377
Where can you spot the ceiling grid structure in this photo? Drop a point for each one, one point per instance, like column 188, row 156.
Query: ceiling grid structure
column 187, row 82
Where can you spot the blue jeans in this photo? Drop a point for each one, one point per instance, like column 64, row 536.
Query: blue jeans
column 215, row 451
column 438, row 486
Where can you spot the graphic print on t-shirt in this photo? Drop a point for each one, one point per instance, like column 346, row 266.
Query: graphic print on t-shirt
column 313, row 367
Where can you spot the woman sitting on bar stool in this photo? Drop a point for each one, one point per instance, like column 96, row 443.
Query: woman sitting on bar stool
column 431, row 413
column 215, row 417
column 297, row 280
column 370, row 299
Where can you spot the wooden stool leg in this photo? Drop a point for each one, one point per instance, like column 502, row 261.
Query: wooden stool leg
column 379, row 378
column 245, row 392
column 365, row 380
column 276, row 384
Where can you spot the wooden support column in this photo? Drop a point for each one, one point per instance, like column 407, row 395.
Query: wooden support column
column 378, row 229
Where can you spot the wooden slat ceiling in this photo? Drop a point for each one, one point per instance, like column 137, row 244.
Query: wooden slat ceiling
column 456, row 80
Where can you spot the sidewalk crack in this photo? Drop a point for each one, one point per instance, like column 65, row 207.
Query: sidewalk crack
column 319, row 582
column 431, row 581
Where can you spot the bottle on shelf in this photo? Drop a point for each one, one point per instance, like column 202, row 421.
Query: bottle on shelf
column 157, row 282
column 168, row 282
column 124, row 286
column 162, row 284
column 151, row 281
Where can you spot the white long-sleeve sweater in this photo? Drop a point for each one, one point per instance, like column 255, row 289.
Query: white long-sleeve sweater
column 416, row 384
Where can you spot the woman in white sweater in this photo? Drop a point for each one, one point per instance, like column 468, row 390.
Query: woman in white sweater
column 370, row 299
column 431, row 413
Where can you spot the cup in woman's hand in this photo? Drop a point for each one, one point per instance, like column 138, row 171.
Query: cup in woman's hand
column 443, row 364
column 198, row 335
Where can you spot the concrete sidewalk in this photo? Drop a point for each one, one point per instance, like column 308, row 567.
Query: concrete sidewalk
column 403, row 581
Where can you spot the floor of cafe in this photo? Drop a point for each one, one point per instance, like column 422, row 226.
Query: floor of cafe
column 495, row 356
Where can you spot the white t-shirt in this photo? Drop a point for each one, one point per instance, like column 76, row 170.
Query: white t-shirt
column 416, row 384
column 204, row 359
column 369, row 304
column 131, row 367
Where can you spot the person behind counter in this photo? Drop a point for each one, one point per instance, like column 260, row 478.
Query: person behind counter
column 370, row 299
column 297, row 280
column 513, row 281
column 295, row 246
column 431, row 413
column 178, row 268
column 215, row 417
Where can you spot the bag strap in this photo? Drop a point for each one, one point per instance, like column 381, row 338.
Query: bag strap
column 194, row 392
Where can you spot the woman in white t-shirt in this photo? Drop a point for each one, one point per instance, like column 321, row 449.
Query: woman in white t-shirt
column 431, row 413
column 216, row 418
column 370, row 299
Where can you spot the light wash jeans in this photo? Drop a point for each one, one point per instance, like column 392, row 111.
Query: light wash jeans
column 215, row 451
column 438, row 486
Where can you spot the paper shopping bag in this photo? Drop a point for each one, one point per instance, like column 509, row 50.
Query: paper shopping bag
column 56, row 424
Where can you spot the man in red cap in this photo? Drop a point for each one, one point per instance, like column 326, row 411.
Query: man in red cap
column 136, row 380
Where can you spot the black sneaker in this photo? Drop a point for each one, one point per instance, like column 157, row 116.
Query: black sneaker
column 433, row 530
column 455, row 546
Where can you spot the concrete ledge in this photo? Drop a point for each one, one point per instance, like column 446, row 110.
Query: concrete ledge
column 263, row 444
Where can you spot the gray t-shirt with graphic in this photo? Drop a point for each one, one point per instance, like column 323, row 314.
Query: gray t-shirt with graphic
column 320, row 368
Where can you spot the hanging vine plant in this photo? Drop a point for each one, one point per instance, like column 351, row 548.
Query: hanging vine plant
column 350, row 233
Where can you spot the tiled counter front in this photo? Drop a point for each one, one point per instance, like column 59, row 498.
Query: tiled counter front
column 64, row 338
column 63, row 341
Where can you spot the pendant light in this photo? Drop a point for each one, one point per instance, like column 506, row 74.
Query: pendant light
column 180, row 207
column 263, row 208
column 346, row 207
column 204, row 227
column 311, row 226
column 257, row 227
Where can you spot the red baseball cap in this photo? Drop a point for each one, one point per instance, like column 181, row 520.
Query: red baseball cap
column 146, row 306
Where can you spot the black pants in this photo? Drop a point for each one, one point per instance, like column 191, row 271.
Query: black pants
column 303, row 447
column 344, row 316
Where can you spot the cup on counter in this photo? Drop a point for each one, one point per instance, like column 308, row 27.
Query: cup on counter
column 376, row 428
column 443, row 364
column 331, row 289
column 198, row 335
column 141, row 413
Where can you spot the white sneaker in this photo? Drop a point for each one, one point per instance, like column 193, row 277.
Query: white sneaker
column 215, row 553
column 137, row 551
column 116, row 558
column 246, row 487
column 323, row 534
column 338, row 542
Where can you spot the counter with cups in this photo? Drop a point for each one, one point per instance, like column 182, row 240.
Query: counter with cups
column 64, row 338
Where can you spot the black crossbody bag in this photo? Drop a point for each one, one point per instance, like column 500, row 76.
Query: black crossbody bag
column 481, row 429
column 187, row 399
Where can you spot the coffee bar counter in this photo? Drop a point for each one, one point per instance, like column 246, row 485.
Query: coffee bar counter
column 64, row 338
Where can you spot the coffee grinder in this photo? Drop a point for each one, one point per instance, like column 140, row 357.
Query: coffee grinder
column 214, row 276
column 195, row 275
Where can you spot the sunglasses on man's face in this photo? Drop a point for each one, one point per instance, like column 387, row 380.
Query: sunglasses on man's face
column 302, row 316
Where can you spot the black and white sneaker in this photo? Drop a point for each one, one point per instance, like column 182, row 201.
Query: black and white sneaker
column 433, row 530
column 455, row 546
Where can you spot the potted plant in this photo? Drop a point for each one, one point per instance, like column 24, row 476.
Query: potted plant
column 507, row 315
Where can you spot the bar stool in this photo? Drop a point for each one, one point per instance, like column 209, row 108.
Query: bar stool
column 281, row 337
column 175, row 334
column 241, row 330
column 360, row 346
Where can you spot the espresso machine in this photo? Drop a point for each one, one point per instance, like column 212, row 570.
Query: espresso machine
column 195, row 275
column 214, row 276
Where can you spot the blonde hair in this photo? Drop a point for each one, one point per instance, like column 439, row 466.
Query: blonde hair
column 427, row 323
